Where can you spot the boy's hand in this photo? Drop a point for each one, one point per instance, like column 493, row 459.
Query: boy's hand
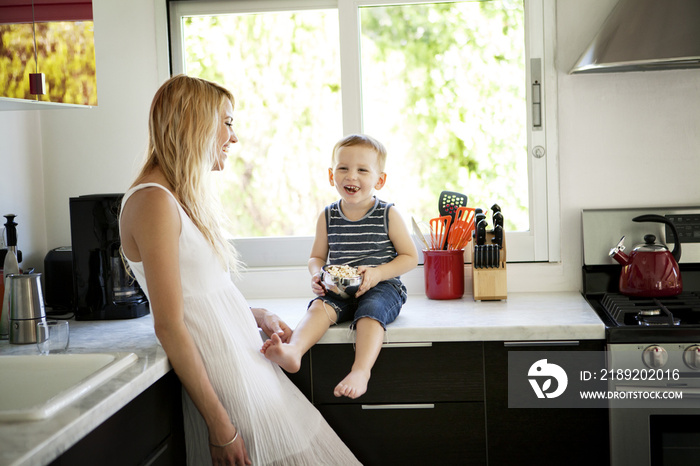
column 370, row 277
column 316, row 285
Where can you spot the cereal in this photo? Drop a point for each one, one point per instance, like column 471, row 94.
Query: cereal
column 342, row 271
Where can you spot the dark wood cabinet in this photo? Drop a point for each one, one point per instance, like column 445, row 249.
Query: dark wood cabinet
column 447, row 403
column 424, row 403
column 412, row 433
column 147, row 431
column 574, row 436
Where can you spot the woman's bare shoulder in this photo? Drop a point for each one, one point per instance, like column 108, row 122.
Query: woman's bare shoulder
column 150, row 210
column 151, row 200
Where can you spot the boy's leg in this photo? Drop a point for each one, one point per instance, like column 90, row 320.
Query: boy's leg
column 318, row 318
column 376, row 309
column 368, row 343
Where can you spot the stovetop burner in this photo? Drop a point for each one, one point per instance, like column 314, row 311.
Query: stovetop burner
column 682, row 310
column 641, row 320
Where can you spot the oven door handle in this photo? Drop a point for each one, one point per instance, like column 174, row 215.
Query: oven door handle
column 686, row 391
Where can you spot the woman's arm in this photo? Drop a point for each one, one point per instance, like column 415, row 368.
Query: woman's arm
column 271, row 323
column 151, row 224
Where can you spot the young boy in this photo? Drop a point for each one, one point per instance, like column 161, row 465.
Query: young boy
column 361, row 231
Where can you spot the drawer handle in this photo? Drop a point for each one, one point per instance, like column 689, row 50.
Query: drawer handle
column 425, row 344
column 401, row 406
column 540, row 343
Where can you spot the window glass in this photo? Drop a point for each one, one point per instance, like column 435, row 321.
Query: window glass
column 443, row 87
column 446, row 86
column 284, row 71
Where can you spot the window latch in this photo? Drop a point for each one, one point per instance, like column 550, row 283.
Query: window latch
column 536, row 83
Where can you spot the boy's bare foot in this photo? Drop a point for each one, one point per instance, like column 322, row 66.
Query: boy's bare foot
column 353, row 385
column 281, row 353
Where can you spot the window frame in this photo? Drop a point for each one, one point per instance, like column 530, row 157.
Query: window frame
column 542, row 243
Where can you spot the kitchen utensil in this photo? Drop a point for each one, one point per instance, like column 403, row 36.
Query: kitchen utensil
column 26, row 303
column 478, row 216
column 481, row 231
column 498, row 241
column 52, row 336
column 650, row 270
column 457, row 236
column 439, row 227
column 497, row 219
column 419, row 234
column 449, row 202
column 345, row 287
column 498, row 236
column 460, row 232
column 10, row 266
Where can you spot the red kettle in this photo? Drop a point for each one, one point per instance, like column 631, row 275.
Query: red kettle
column 650, row 270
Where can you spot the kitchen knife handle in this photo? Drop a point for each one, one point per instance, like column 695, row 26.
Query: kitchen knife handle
column 497, row 219
column 481, row 232
column 498, row 236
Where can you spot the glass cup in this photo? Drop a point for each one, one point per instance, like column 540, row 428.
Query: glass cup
column 52, row 336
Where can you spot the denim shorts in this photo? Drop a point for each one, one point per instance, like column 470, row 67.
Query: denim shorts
column 381, row 303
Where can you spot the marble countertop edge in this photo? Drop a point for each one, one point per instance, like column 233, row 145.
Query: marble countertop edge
column 527, row 317
column 53, row 436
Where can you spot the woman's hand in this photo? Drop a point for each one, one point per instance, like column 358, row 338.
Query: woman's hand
column 370, row 277
column 233, row 454
column 316, row 285
column 271, row 323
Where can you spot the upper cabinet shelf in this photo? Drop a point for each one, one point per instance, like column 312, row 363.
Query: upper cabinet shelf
column 25, row 104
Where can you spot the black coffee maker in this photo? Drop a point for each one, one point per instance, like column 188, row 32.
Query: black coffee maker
column 103, row 289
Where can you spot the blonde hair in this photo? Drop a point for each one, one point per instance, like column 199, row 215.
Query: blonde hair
column 183, row 125
column 361, row 140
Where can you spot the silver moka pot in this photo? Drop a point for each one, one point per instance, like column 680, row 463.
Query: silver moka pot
column 26, row 305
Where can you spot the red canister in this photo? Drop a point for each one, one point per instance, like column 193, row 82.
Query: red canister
column 444, row 274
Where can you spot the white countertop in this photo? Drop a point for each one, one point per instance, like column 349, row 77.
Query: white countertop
column 523, row 317
column 37, row 443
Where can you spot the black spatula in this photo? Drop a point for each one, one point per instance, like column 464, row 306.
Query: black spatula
column 450, row 201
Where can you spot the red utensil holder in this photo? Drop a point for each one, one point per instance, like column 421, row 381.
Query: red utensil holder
column 444, row 274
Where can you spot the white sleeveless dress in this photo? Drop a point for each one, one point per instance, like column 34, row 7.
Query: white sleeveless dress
column 279, row 425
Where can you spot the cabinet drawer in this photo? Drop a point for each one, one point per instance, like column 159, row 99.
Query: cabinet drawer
column 148, row 430
column 302, row 379
column 404, row 373
column 570, row 436
column 384, row 435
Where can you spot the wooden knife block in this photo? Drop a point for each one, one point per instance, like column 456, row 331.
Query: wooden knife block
column 490, row 284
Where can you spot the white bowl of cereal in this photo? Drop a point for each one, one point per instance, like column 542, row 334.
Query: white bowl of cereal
column 341, row 280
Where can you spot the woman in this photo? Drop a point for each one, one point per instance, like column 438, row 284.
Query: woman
column 239, row 407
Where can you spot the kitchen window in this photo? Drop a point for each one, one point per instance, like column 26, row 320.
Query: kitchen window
column 461, row 93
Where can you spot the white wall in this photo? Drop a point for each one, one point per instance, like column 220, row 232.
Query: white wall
column 22, row 182
column 98, row 150
column 626, row 139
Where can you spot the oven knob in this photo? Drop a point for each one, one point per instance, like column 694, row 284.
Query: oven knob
column 655, row 356
column 691, row 357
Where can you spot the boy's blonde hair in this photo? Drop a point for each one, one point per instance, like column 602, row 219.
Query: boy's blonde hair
column 183, row 126
column 361, row 140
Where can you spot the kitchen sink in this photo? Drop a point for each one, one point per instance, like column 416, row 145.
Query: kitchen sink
column 34, row 387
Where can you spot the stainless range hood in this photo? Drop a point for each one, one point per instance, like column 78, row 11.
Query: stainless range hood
column 645, row 35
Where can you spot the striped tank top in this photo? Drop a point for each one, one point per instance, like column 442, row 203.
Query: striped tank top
column 361, row 242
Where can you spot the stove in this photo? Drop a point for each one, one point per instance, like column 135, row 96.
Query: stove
column 656, row 339
column 653, row 312
column 629, row 319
